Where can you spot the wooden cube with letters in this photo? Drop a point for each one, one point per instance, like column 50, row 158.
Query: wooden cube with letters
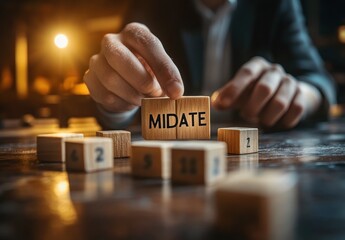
column 89, row 154
column 194, row 117
column 121, row 141
column 51, row 147
column 239, row 140
column 257, row 205
column 198, row 162
column 151, row 159
column 157, row 115
column 184, row 118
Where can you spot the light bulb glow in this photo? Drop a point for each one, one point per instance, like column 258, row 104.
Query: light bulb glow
column 61, row 40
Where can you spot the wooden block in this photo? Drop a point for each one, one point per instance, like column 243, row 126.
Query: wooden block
column 51, row 147
column 156, row 114
column 194, row 117
column 185, row 118
column 151, row 159
column 198, row 162
column 257, row 205
column 89, row 154
column 239, row 140
column 121, row 142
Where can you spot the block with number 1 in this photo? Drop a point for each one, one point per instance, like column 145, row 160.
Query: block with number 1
column 198, row 162
column 89, row 154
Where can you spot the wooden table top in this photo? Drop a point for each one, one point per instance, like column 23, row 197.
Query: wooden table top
column 43, row 201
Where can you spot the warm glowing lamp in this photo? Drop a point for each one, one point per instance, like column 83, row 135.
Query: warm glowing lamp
column 61, row 40
column 341, row 34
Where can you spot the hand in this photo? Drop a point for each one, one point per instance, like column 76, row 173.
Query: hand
column 265, row 94
column 131, row 65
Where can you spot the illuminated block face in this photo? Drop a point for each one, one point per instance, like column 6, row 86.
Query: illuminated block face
column 89, row 154
column 185, row 118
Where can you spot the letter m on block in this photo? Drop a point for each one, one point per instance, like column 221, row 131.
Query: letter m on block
column 152, row 122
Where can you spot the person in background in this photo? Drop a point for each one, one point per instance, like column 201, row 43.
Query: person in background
column 253, row 57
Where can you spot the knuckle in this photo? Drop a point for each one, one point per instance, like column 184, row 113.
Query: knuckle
column 140, row 34
column 107, row 40
column 288, row 79
column 248, row 71
column 260, row 60
column 133, row 27
column 93, row 61
column 277, row 67
column 86, row 77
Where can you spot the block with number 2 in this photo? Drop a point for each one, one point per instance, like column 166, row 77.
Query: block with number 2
column 89, row 154
column 198, row 162
column 239, row 140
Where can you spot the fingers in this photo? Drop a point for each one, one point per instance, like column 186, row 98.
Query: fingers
column 263, row 91
column 227, row 96
column 123, row 61
column 295, row 112
column 104, row 97
column 139, row 38
column 280, row 102
column 120, row 52
column 112, row 81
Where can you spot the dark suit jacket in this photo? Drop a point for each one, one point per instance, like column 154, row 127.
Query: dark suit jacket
column 273, row 29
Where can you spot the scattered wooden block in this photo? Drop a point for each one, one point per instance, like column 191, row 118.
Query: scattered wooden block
column 198, row 162
column 239, row 140
column 185, row 118
column 156, row 118
column 151, row 159
column 121, row 142
column 51, row 147
column 89, row 154
column 194, row 115
column 257, row 205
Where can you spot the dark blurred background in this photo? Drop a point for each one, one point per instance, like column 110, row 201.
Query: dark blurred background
column 41, row 76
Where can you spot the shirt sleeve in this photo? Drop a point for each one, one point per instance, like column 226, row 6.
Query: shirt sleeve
column 294, row 49
column 110, row 120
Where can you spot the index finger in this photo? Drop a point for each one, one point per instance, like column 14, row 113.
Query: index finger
column 249, row 73
column 138, row 38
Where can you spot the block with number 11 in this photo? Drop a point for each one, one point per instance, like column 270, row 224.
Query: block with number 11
column 198, row 162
